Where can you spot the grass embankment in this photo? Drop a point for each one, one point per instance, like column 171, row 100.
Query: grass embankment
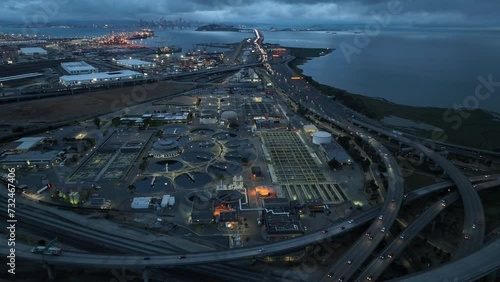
column 477, row 128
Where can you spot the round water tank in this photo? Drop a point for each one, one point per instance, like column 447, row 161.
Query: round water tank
column 322, row 137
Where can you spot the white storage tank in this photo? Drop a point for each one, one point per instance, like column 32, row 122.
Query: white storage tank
column 322, row 137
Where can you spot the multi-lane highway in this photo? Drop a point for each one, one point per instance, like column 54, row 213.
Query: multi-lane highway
column 375, row 269
column 349, row 263
column 473, row 206
column 28, row 214
column 302, row 94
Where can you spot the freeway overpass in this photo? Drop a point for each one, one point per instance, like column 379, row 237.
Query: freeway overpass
column 346, row 266
column 29, row 213
column 375, row 269
column 473, row 206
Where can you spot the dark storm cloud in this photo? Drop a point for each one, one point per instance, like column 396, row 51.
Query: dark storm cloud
column 449, row 12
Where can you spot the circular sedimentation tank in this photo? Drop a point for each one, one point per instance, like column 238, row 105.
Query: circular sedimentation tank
column 147, row 186
column 225, row 168
column 161, row 166
column 193, row 180
column 240, row 156
column 225, row 136
column 239, row 144
column 228, row 196
column 175, row 129
column 199, row 145
column 203, row 131
column 197, row 156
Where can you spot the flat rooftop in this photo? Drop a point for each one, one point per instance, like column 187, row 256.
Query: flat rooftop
column 25, row 143
column 34, row 157
column 77, row 66
column 33, row 50
column 101, row 75
column 133, row 62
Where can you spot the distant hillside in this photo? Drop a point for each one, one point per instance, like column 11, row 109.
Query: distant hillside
column 217, row 27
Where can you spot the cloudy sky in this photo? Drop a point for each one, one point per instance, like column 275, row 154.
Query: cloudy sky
column 417, row 12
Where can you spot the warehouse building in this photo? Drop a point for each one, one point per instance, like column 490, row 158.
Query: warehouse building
column 96, row 78
column 135, row 64
column 24, row 144
column 333, row 151
column 29, row 159
column 30, row 51
column 74, row 68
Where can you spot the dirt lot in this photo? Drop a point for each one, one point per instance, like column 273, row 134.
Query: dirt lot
column 50, row 110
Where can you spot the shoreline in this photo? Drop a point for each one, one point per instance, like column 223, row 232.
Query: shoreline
column 471, row 128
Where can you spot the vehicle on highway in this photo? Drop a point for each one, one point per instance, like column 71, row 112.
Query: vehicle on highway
column 466, row 237
column 52, row 251
column 325, row 231
column 473, row 226
column 330, row 275
column 402, row 236
column 382, row 230
column 369, row 278
column 342, row 228
column 368, row 234
column 443, row 203
column 261, row 250
column 182, row 257
column 390, row 255
column 393, row 200
column 381, row 257
column 349, row 262
column 341, row 279
column 351, row 221
column 380, row 217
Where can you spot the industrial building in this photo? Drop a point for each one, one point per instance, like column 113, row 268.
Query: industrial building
column 30, row 51
column 280, row 219
column 29, row 159
column 310, row 128
column 141, row 202
column 74, row 68
column 228, row 216
column 135, row 64
column 333, row 151
column 96, row 78
column 24, row 144
column 202, row 212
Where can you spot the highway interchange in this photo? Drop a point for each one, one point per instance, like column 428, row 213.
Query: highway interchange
column 381, row 218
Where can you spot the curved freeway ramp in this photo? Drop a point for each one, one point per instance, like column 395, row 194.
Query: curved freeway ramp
column 347, row 265
column 378, row 265
column 469, row 268
column 30, row 213
column 472, row 203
